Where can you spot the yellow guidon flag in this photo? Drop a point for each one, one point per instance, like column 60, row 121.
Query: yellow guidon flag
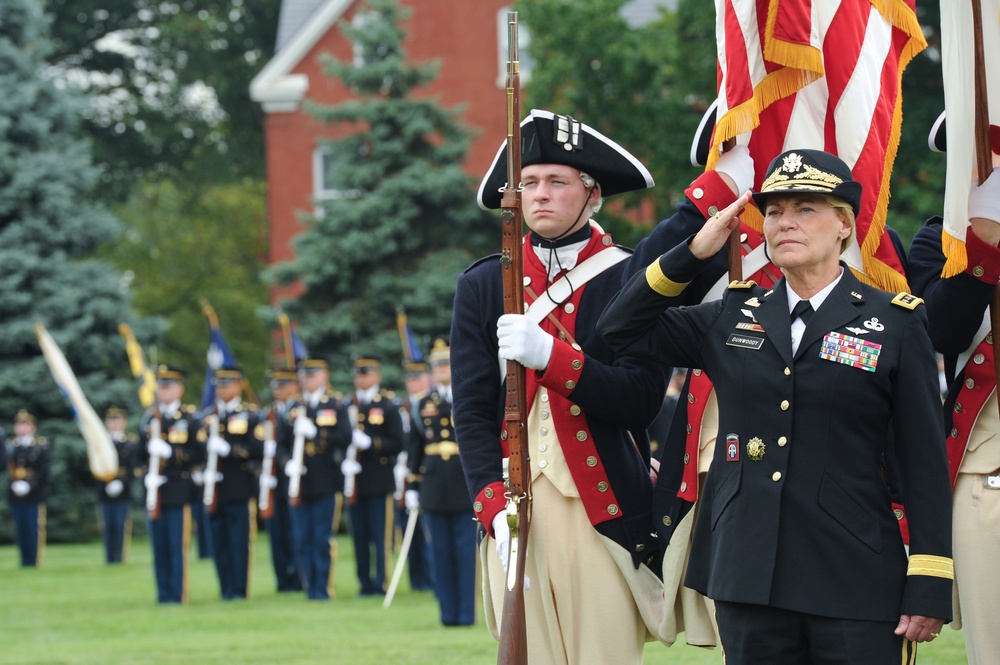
column 140, row 370
column 101, row 453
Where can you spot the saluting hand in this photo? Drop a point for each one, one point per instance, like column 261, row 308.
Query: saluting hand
column 715, row 232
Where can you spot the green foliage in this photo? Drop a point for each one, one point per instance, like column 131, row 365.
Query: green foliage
column 49, row 229
column 183, row 247
column 404, row 226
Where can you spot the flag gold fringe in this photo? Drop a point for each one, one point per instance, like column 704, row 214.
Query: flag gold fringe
column 956, row 259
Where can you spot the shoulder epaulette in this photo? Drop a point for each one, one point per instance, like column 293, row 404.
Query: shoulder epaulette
column 907, row 300
column 742, row 284
column 491, row 257
column 188, row 408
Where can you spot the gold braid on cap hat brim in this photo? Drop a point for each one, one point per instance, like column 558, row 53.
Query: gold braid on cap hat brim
column 810, row 179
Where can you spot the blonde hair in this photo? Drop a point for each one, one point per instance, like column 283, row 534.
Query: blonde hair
column 846, row 213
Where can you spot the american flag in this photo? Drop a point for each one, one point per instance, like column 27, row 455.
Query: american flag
column 821, row 74
column 957, row 63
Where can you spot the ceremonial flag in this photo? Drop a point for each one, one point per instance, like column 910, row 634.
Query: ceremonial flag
column 411, row 350
column 140, row 370
column 295, row 349
column 218, row 355
column 957, row 63
column 101, row 454
column 823, row 75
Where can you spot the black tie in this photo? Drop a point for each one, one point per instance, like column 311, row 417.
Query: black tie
column 802, row 310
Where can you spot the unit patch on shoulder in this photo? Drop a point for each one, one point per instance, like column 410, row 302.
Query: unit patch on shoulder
column 907, row 300
column 742, row 284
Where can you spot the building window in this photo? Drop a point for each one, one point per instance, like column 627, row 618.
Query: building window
column 523, row 40
column 363, row 52
column 325, row 185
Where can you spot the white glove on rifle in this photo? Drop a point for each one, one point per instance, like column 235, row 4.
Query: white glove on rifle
column 501, row 532
column 350, row 467
column 305, row 428
column 198, row 477
column 984, row 200
column 153, row 482
column 411, row 499
column 114, row 488
column 523, row 340
column 159, row 448
column 360, row 440
column 738, row 165
column 270, row 448
column 219, row 446
column 293, row 468
column 269, row 481
column 20, row 487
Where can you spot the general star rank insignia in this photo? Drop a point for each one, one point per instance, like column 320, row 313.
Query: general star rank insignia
column 755, row 449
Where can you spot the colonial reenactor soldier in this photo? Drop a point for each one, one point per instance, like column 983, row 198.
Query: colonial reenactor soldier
column 817, row 378
column 958, row 308
column 284, row 384
column 230, row 497
column 321, row 429
column 114, row 496
column 437, row 487
column 417, row 378
column 377, row 438
column 591, row 545
column 28, row 463
column 169, row 450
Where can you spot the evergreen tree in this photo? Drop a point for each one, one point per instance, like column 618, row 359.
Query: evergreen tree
column 405, row 224
column 48, row 232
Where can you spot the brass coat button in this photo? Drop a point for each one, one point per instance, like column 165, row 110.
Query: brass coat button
column 776, row 476
column 591, row 461
column 612, row 509
column 489, row 492
column 575, row 410
column 784, row 405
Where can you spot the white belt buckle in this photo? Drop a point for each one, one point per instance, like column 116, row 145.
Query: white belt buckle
column 992, row 482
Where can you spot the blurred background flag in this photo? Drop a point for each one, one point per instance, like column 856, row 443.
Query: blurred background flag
column 295, row 348
column 411, row 350
column 219, row 355
column 140, row 370
column 101, row 454
column 822, row 75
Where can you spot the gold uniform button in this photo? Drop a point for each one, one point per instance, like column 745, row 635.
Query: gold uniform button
column 788, row 371
column 898, row 513
column 978, row 358
column 690, row 398
column 591, row 461
column 606, row 240
column 782, row 441
column 667, row 521
column 640, row 547
column 576, row 364
column 713, row 210
column 612, row 509
column 581, row 436
column 784, row 405
column 958, row 408
column 989, row 338
column 697, row 192
column 687, row 458
column 954, row 433
column 684, row 487
column 602, row 486
column 488, row 493
column 978, row 271
column 575, row 410
column 697, row 372
column 570, row 384
column 478, row 507
column 689, row 428
column 970, row 384
column 776, row 476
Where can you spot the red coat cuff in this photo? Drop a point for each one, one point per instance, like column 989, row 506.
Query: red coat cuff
column 488, row 503
column 707, row 190
column 563, row 373
column 984, row 260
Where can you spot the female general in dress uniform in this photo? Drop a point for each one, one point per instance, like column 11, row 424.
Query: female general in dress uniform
column 816, row 378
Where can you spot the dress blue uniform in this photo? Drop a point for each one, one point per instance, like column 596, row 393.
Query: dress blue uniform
column 115, row 498
column 170, row 526
column 29, row 462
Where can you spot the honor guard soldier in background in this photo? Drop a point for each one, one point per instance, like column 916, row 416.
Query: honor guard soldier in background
column 232, row 504
column 285, row 390
column 377, row 439
column 28, row 463
column 817, row 378
column 958, row 308
column 325, row 433
column 437, row 487
column 114, row 497
column 170, row 459
column 417, row 377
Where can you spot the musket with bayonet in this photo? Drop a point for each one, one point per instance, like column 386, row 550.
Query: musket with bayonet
column 517, row 478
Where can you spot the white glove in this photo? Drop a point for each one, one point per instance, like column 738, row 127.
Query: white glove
column 114, row 488
column 270, row 448
column 153, row 482
column 984, row 200
column 159, row 448
column 400, row 472
column 219, row 446
column 350, row 467
column 411, row 499
column 20, row 487
column 360, row 440
column 501, row 532
column 523, row 340
column 269, row 481
column 198, row 477
column 305, row 428
column 738, row 165
column 293, row 468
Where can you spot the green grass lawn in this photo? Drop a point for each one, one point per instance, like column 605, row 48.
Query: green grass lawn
column 77, row 611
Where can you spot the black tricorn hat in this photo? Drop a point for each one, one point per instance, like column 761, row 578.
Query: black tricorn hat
column 547, row 138
column 937, row 139
column 702, row 141
column 807, row 171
